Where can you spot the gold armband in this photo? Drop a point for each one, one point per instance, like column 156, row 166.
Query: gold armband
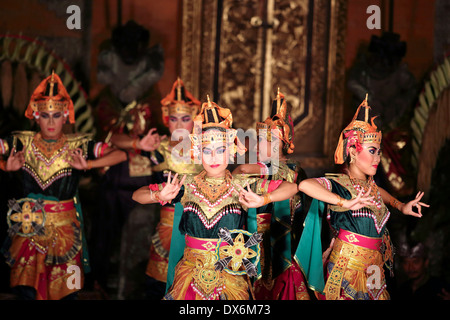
column 395, row 203
column 267, row 199
column 134, row 145
column 340, row 202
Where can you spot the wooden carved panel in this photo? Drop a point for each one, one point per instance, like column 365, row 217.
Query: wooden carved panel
column 240, row 51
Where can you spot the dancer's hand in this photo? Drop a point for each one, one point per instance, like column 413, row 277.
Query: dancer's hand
column 171, row 189
column 151, row 141
column 78, row 161
column 327, row 252
column 361, row 201
column 15, row 160
column 248, row 198
column 408, row 207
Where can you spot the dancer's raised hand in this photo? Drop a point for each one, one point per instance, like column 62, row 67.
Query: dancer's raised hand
column 407, row 209
column 171, row 188
column 15, row 160
column 361, row 201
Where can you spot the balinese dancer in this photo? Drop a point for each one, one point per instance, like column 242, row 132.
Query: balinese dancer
column 211, row 206
column 178, row 108
column 46, row 243
column 281, row 277
column 357, row 213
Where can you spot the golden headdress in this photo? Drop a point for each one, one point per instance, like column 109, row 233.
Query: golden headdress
column 357, row 133
column 50, row 95
column 279, row 119
column 214, row 116
column 179, row 100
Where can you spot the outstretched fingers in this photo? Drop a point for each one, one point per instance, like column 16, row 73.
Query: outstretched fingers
column 182, row 180
column 365, row 198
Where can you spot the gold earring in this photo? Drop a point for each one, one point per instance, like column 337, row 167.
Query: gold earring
column 352, row 159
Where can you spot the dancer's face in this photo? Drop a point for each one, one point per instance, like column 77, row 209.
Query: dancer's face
column 367, row 160
column 215, row 158
column 51, row 124
column 264, row 151
column 180, row 121
column 267, row 150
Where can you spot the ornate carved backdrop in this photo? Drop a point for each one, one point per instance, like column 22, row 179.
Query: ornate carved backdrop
column 240, row 51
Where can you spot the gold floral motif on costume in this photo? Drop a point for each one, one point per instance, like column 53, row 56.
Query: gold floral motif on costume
column 27, row 218
column 206, row 278
column 139, row 166
column 351, row 238
column 48, row 149
column 209, row 246
column 238, row 252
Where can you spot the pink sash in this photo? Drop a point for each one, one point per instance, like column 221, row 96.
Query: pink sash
column 360, row 240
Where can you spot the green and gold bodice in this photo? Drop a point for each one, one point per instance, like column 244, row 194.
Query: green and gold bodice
column 370, row 220
column 212, row 203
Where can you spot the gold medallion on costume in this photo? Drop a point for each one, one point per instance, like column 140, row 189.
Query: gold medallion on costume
column 238, row 252
column 206, row 278
column 26, row 217
column 237, row 255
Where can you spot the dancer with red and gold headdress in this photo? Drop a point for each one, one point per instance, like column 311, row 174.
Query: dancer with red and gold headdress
column 281, row 278
column 211, row 207
column 46, row 239
column 179, row 109
column 357, row 213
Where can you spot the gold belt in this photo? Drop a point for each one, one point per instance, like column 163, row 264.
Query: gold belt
column 59, row 213
column 166, row 215
column 348, row 256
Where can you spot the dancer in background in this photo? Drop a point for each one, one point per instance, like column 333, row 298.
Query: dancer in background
column 281, row 277
column 178, row 109
column 357, row 213
column 46, row 235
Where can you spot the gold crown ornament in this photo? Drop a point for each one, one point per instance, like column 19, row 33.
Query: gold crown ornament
column 50, row 95
column 179, row 100
column 280, row 121
column 356, row 133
